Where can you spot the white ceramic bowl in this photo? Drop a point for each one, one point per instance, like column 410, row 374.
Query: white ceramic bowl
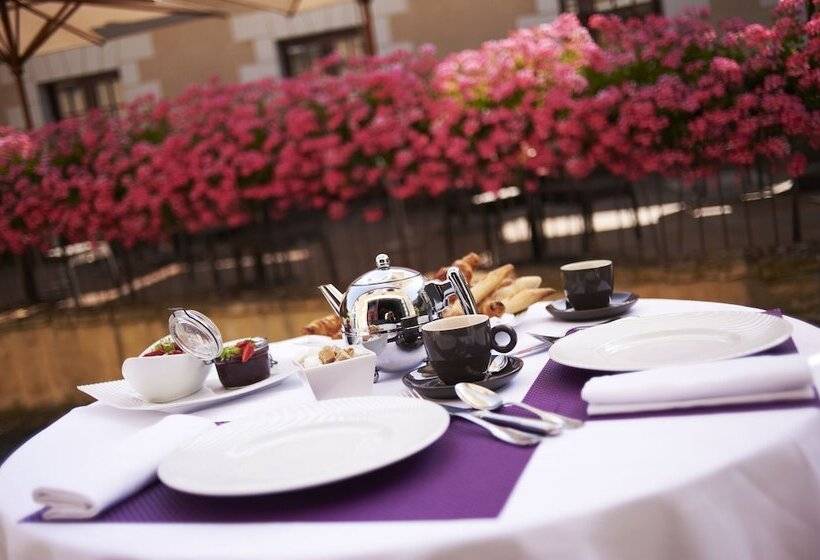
column 348, row 378
column 160, row 379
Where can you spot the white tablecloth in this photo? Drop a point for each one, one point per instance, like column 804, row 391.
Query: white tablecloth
column 730, row 485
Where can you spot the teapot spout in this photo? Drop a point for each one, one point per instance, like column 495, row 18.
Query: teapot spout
column 333, row 297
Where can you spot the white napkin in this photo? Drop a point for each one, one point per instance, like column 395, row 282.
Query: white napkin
column 742, row 380
column 114, row 473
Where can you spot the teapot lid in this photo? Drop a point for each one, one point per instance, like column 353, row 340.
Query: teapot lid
column 384, row 273
column 195, row 334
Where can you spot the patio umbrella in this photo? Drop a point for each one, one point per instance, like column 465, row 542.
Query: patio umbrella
column 29, row 27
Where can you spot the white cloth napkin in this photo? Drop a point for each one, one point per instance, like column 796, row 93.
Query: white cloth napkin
column 742, row 380
column 87, row 487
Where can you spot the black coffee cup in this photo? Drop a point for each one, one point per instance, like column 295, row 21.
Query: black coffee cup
column 459, row 347
column 588, row 284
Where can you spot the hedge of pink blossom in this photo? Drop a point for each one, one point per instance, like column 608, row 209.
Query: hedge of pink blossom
column 680, row 97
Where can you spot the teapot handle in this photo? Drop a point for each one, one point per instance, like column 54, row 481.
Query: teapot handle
column 462, row 290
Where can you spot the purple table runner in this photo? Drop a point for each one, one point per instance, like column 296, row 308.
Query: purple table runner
column 464, row 475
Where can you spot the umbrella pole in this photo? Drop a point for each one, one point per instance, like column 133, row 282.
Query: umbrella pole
column 367, row 22
column 17, row 70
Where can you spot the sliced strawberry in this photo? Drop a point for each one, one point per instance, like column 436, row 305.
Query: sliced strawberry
column 247, row 352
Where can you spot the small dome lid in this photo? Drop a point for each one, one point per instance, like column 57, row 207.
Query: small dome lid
column 195, row 334
column 384, row 273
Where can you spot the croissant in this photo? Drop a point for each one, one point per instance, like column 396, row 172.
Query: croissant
column 491, row 308
column 463, row 265
column 330, row 325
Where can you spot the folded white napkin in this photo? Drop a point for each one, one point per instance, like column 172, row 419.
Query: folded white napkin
column 743, row 380
column 114, row 473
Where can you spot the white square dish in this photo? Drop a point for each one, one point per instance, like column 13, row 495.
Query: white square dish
column 346, row 378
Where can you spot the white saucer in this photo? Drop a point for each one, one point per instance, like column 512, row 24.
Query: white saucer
column 667, row 340
column 304, row 445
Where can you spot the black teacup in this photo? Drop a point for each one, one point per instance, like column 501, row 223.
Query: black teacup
column 588, row 284
column 459, row 347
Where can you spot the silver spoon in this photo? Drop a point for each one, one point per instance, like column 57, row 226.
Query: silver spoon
column 498, row 363
column 482, row 398
column 505, row 434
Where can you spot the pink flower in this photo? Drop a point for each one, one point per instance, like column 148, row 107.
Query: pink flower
column 797, row 165
column 727, row 68
column 373, row 214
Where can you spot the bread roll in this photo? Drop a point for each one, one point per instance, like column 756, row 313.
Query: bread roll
column 521, row 283
column 523, row 299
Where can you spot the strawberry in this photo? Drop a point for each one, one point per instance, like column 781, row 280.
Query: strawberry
column 247, row 351
column 153, row 353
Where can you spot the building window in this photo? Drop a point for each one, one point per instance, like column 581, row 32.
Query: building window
column 622, row 8
column 76, row 96
column 300, row 53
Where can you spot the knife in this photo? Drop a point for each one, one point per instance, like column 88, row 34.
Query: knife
column 533, row 425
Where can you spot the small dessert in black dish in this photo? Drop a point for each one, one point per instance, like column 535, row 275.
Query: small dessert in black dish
column 430, row 386
column 243, row 362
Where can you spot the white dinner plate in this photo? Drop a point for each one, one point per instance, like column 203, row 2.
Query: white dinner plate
column 675, row 339
column 120, row 395
column 304, row 445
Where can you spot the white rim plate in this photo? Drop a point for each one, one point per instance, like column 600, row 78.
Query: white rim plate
column 302, row 446
column 120, row 395
column 636, row 343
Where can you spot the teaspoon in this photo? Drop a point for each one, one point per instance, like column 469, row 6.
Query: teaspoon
column 482, row 398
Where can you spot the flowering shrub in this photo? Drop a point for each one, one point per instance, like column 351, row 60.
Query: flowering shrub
column 499, row 107
column 696, row 97
column 679, row 97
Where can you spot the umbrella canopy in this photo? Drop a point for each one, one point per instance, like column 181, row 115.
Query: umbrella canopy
column 29, row 27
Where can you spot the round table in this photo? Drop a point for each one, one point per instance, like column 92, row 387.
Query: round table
column 727, row 485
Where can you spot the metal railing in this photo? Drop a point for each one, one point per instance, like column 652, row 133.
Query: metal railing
column 733, row 214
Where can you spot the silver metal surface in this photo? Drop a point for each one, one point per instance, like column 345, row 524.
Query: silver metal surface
column 382, row 261
column 505, row 434
column 482, row 398
column 498, row 363
column 534, row 349
column 462, row 290
column 539, row 426
column 332, row 296
column 384, row 308
column 544, row 338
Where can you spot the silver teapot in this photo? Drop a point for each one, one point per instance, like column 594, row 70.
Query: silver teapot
column 383, row 310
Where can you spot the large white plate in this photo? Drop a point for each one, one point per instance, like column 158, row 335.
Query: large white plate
column 663, row 340
column 120, row 395
column 305, row 445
